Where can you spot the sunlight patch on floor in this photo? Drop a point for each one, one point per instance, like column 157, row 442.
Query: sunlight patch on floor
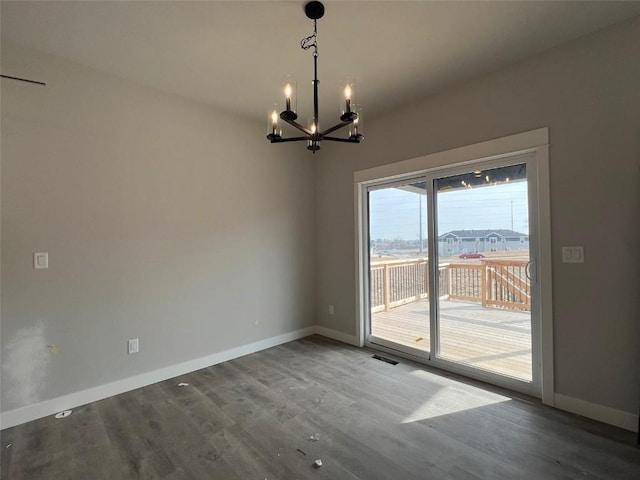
column 450, row 400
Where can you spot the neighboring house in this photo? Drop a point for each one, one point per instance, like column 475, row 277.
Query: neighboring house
column 471, row 241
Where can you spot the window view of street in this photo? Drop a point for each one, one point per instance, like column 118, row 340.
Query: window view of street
column 483, row 293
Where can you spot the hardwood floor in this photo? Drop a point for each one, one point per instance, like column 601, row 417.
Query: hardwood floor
column 252, row 418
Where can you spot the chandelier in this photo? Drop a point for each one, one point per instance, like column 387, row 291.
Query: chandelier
column 312, row 134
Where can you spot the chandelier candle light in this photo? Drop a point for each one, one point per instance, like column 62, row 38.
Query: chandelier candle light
column 350, row 114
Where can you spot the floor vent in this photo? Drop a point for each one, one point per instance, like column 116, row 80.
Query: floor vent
column 385, row 359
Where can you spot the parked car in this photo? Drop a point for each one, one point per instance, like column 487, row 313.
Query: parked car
column 471, row 255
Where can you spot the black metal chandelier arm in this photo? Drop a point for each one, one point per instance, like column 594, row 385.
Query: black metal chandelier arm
column 352, row 139
column 336, row 127
column 295, row 124
column 291, row 139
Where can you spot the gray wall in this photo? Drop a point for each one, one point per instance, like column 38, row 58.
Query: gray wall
column 164, row 221
column 588, row 94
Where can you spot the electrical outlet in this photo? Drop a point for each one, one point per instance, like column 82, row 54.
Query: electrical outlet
column 40, row 260
column 331, row 310
column 133, row 346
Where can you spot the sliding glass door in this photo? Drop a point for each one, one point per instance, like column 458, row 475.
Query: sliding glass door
column 450, row 277
column 399, row 274
column 484, row 303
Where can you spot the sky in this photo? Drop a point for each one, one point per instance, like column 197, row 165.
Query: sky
column 394, row 213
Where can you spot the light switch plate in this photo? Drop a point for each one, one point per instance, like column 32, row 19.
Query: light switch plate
column 572, row 254
column 40, row 260
column 133, row 346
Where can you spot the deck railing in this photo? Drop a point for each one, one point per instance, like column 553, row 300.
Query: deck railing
column 493, row 283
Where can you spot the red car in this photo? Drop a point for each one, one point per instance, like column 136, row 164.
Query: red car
column 471, row 255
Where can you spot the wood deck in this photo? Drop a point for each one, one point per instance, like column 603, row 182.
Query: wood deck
column 487, row 338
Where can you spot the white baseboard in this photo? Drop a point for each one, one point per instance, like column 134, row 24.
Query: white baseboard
column 618, row 418
column 11, row 418
column 21, row 415
column 336, row 335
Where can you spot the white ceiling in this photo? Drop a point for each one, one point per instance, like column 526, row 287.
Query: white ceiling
column 234, row 54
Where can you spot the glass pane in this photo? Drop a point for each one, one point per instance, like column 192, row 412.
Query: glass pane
column 484, row 303
column 399, row 275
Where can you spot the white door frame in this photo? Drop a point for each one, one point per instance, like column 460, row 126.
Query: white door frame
column 534, row 143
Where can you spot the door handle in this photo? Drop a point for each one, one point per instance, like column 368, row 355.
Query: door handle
column 530, row 271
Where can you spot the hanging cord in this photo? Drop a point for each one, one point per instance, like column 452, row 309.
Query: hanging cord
column 311, row 41
column 306, row 43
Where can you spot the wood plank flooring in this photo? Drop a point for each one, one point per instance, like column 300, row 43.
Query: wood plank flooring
column 252, row 418
column 491, row 339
